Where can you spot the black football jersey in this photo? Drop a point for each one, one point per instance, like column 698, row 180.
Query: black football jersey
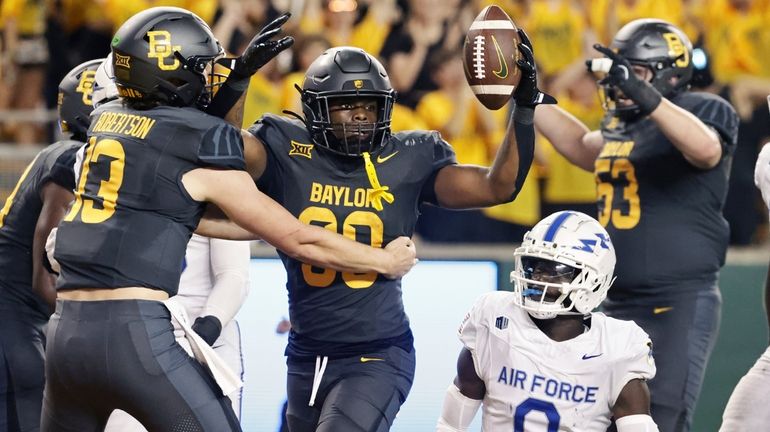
column 18, row 219
column 664, row 214
column 333, row 312
column 132, row 218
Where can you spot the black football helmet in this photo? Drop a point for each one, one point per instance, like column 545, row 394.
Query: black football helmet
column 75, row 101
column 346, row 72
column 659, row 46
column 163, row 55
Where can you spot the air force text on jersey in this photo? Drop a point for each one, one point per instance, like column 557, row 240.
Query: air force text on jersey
column 550, row 387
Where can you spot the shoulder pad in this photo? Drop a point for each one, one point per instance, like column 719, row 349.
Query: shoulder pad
column 222, row 146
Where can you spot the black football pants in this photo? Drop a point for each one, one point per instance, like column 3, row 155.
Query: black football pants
column 103, row 355
column 22, row 372
column 683, row 332
column 356, row 394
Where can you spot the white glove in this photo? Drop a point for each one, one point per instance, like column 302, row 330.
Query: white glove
column 762, row 174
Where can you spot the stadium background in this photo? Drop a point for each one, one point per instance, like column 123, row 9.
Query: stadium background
column 42, row 39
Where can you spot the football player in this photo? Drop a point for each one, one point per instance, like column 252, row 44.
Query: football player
column 213, row 286
column 538, row 358
column 153, row 160
column 746, row 409
column 661, row 160
column 339, row 166
column 27, row 294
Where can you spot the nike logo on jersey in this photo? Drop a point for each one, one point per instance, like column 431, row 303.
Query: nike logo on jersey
column 370, row 359
column 660, row 310
column 587, row 357
column 381, row 159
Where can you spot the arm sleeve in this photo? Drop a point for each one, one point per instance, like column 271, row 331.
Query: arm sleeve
column 230, row 267
column 524, row 129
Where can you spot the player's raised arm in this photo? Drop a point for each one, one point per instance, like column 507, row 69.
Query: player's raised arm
column 468, row 186
column 235, row 193
column 569, row 136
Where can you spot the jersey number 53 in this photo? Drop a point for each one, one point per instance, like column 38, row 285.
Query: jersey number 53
column 618, row 193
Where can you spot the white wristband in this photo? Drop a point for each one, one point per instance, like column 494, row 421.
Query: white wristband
column 458, row 411
column 636, row 423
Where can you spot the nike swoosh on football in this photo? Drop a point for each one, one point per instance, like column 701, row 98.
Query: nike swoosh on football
column 586, row 356
column 381, row 159
column 503, row 72
column 370, row 359
column 660, row 310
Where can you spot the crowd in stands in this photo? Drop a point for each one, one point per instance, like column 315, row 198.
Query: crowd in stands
column 420, row 44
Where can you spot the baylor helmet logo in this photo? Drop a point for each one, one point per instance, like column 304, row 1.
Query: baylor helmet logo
column 161, row 49
column 86, row 86
column 676, row 49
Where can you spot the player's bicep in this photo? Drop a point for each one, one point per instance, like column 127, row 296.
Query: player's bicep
column 255, row 154
column 463, row 186
column 633, row 399
column 467, row 380
column 236, row 194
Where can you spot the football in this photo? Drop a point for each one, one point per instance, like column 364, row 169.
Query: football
column 490, row 53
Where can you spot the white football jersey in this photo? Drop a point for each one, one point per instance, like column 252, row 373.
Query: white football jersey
column 536, row 384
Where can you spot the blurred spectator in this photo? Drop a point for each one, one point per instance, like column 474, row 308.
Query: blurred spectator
column 351, row 23
column 411, row 43
column 305, row 50
column 559, row 30
column 24, row 56
column 567, row 187
column 262, row 96
column 606, row 17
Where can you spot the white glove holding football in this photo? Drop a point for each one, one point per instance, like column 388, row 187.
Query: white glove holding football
column 50, row 244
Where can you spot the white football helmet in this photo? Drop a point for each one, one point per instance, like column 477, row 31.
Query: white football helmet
column 564, row 265
column 105, row 89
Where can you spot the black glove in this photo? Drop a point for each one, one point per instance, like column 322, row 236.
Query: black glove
column 527, row 94
column 261, row 49
column 208, row 328
column 620, row 75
